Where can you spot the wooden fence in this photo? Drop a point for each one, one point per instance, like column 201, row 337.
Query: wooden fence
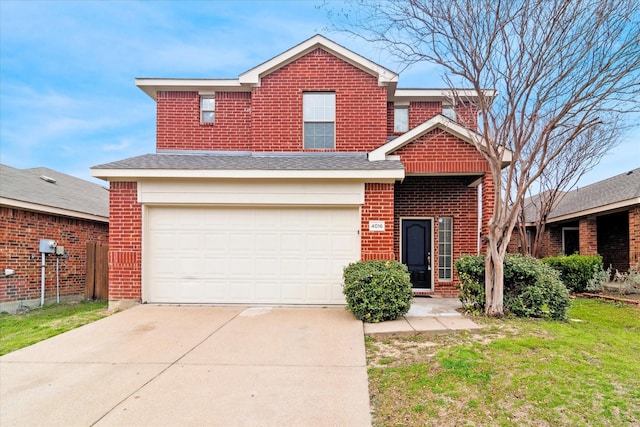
column 97, row 277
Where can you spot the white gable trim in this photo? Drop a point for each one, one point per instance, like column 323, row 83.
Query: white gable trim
column 252, row 77
column 436, row 122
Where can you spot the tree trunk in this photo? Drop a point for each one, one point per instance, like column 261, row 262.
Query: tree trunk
column 494, row 281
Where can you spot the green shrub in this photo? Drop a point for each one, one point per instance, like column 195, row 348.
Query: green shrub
column 472, row 294
column 377, row 290
column 531, row 288
column 575, row 270
column 599, row 279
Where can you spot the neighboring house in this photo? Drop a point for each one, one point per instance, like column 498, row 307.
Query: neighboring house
column 41, row 203
column 263, row 188
column 601, row 218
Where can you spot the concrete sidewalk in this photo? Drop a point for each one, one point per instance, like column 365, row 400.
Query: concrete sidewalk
column 193, row 366
column 427, row 315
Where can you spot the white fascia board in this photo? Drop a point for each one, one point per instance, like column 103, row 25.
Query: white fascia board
column 51, row 210
column 152, row 86
column 252, row 77
column 599, row 209
column 438, row 94
column 133, row 174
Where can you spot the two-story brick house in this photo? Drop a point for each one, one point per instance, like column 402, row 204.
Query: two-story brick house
column 264, row 187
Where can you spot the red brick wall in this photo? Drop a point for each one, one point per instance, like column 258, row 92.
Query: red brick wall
column 551, row 242
column 125, row 242
column 179, row 127
column 378, row 206
column 20, row 234
column 420, row 112
column 467, row 115
column 361, row 105
column 435, row 197
column 588, row 235
column 440, row 152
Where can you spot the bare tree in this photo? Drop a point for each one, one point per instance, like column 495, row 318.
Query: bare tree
column 560, row 176
column 561, row 67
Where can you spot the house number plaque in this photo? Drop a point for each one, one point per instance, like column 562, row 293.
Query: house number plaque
column 376, row 225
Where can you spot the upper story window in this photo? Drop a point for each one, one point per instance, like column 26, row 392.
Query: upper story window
column 319, row 117
column 449, row 112
column 207, row 109
column 401, row 119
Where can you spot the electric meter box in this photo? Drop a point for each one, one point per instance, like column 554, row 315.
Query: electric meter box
column 59, row 250
column 48, row 246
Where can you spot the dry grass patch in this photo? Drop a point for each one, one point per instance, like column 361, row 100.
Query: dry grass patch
column 513, row 372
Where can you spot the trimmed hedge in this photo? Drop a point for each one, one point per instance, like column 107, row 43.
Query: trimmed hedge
column 377, row 290
column 575, row 270
column 531, row 288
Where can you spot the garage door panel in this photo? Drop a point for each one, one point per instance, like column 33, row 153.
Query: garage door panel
column 248, row 255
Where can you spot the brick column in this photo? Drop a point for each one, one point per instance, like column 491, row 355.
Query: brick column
column 125, row 245
column 588, row 235
column 378, row 206
column 634, row 237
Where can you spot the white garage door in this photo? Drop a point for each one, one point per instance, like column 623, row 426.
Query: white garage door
column 248, row 255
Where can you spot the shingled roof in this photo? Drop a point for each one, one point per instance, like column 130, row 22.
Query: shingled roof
column 617, row 191
column 253, row 161
column 46, row 190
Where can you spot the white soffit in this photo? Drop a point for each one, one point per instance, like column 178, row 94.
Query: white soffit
column 387, row 175
column 151, row 86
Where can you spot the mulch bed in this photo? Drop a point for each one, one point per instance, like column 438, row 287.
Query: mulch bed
column 612, row 298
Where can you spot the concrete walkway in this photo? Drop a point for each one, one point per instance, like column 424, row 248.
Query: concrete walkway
column 427, row 315
column 193, row 366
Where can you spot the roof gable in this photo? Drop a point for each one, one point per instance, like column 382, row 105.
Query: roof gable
column 46, row 190
column 252, row 77
column 436, row 122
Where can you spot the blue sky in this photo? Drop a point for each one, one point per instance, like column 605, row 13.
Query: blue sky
column 68, row 100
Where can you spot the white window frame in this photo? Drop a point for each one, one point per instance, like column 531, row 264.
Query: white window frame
column 449, row 111
column 447, row 270
column 310, row 115
column 398, row 126
column 204, row 110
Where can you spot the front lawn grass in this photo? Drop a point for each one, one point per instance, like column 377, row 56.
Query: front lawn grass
column 514, row 372
column 23, row 329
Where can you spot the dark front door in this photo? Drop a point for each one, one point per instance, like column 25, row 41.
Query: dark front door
column 416, row 251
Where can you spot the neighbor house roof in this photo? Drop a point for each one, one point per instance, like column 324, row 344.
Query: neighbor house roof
column 45, row 190
column 251, row 165
column 613, row 193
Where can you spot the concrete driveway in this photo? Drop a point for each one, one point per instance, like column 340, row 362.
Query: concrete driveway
column 200, row 366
